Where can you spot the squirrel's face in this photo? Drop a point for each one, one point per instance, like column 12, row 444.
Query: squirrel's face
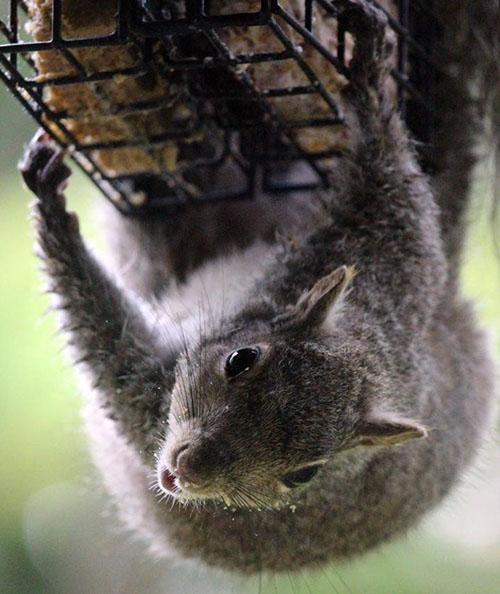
column 255, row 414
column 252, row 423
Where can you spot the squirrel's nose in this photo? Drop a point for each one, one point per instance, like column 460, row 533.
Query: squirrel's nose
column 187, row 463
column 197, row 463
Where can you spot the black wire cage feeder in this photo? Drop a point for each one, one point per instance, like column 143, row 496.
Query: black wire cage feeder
column 158, row 100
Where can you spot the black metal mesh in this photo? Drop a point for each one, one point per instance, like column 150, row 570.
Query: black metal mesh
column 231, row 139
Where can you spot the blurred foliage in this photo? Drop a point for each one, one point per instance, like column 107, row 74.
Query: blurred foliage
column 54, row 533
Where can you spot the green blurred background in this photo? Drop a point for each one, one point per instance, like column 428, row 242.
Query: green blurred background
column 57, row 534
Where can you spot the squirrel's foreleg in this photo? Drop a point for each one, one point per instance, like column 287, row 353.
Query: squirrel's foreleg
column 105, row 328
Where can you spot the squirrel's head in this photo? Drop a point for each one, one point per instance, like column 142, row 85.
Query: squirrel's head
column 259, row 409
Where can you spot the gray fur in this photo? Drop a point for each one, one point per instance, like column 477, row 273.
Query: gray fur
column 381, row 377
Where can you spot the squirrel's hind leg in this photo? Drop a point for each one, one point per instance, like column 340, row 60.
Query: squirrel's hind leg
column 374, row 43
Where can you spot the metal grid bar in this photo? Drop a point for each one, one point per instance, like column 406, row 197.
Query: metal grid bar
column 234, row 124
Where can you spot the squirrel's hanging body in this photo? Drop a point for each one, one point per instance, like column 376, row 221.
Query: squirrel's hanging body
column 385, row 388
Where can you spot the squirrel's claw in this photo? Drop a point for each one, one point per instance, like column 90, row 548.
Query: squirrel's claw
column 35, row 157
column 45, row 174
column 374, row 41
column 43, row 169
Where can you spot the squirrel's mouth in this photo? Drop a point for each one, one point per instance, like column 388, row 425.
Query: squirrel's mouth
column 185, row 493
column 182, row 489
column 167, row 481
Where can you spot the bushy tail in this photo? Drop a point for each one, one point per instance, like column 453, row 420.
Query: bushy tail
column 468, row 108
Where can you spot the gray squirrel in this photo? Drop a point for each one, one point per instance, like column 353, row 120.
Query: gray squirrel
column 285, row 404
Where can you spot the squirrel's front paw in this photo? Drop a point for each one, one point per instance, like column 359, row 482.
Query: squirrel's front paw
column 43, row 169
column 45, row 174
column 374, row 40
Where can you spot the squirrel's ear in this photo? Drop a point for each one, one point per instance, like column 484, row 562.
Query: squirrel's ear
column 388, row 429
column 314, row 305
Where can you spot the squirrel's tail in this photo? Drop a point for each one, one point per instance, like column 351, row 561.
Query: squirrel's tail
column 468, row 108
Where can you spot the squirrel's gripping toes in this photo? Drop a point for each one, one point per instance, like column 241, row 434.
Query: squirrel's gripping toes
column 374, row 42
column 43, row 169
column 45, row 174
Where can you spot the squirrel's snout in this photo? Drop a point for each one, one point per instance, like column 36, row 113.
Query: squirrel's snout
column 194, row 464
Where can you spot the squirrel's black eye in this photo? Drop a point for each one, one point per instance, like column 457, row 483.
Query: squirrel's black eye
column 240, row 361
column 300, row 477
